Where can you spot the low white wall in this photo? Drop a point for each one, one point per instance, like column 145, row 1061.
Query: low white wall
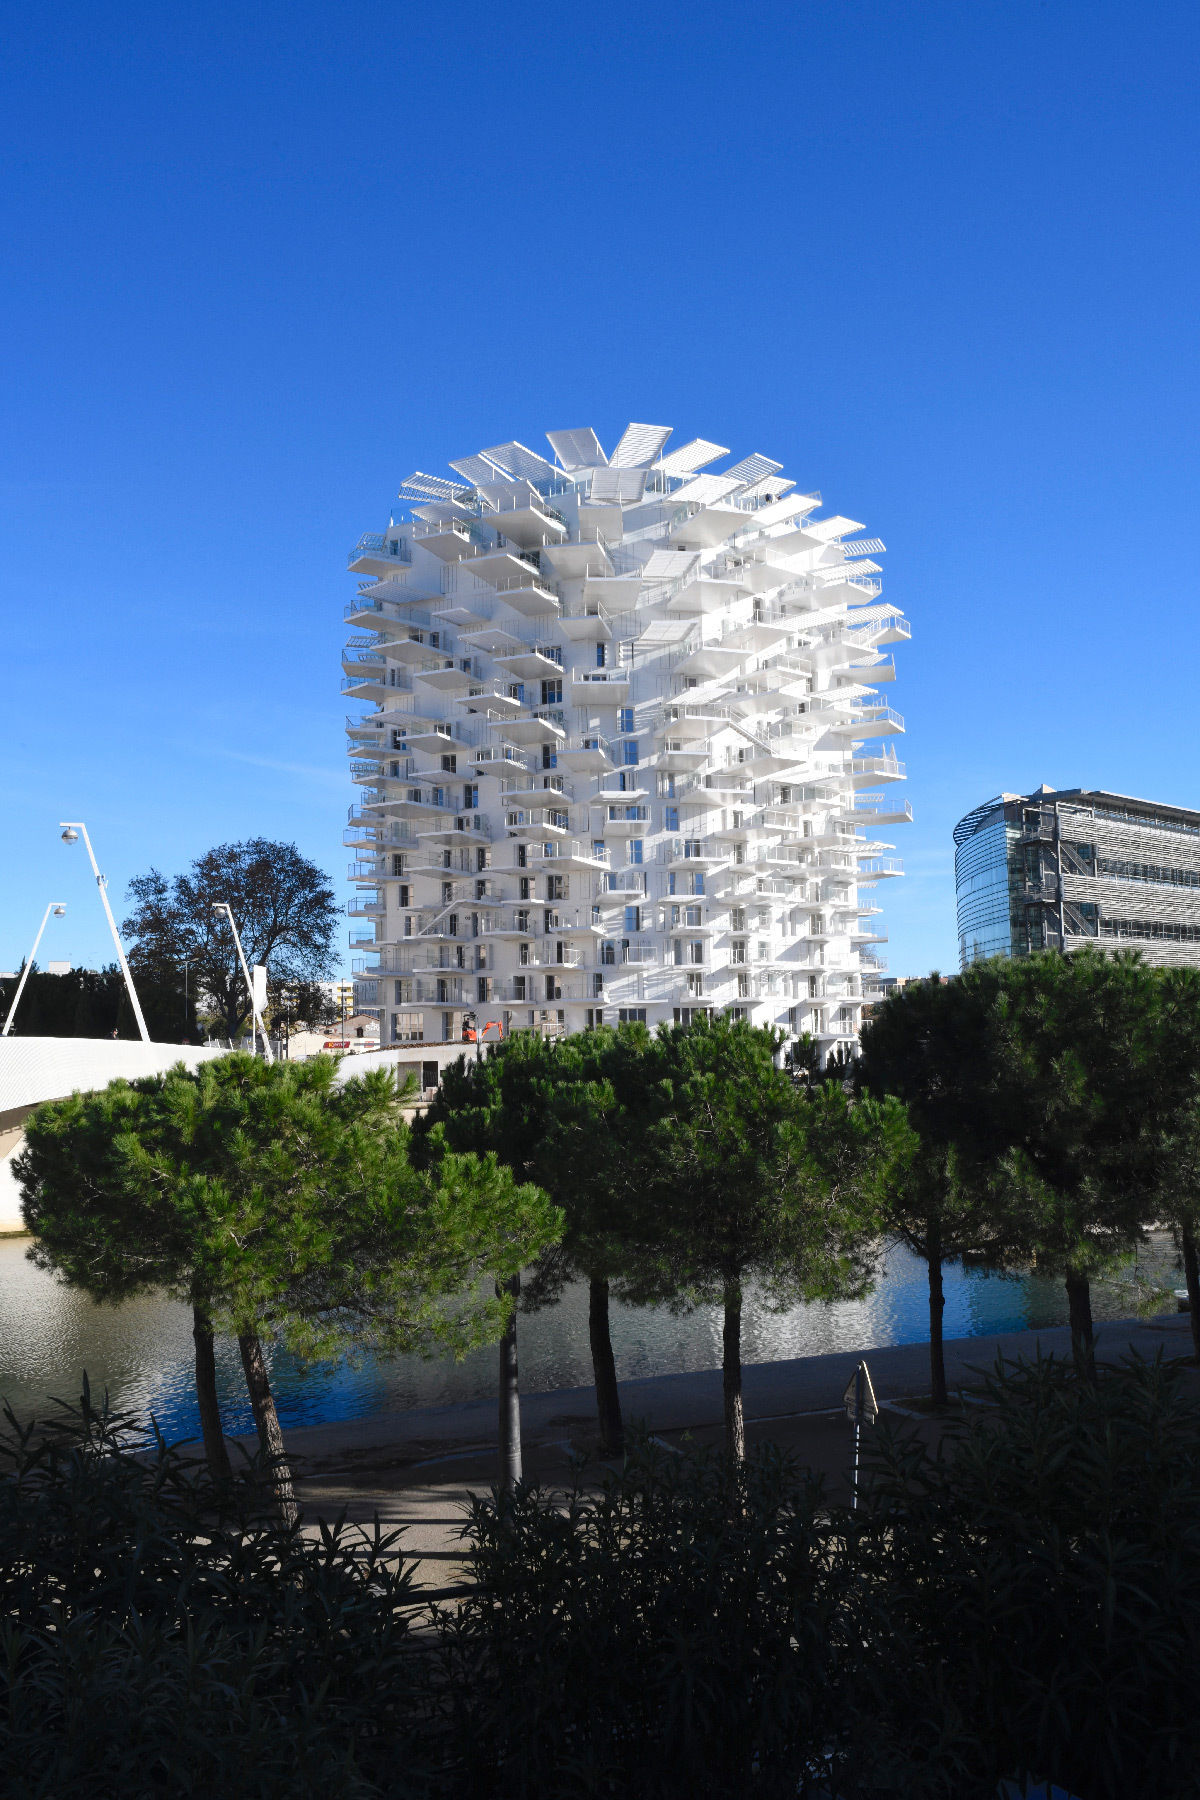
column 37, row 1069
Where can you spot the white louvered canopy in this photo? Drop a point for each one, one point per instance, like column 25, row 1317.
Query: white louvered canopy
column 476, row 469
column 669, row 565
column 666, row 631
column 696, row 455
column 521, row 463
column 432, row 486
column 578, row 448
column 828, row 529
column 702, row 490
column 639, row 446
column 623, row 487
column 751, row 468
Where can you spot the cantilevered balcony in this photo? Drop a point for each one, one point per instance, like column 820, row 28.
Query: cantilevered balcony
column 527, row 521
column 599, row 687
column 585, row 756
column 450, row 539
column 527, row 594
column 379, row 554
column 866, row 770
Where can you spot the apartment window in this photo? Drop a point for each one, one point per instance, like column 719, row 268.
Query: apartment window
column 526, row 886
column 443, row 992
column 407, row 1027
column 695, row 985
column 483, row 990
column 737, row 918
column 522, row 856
column 625, row 718
column 737, row 951
column 597, row 987
column 764, row 950
column 601, row 655
column 691, row 915
column 556, row 887
column 481, row 859
column 629, row 752
column 549, row 921
column 595, row 1017
column 429, row 1070
column 670, row 818
column 414, row 795
column 408, row 926
column 666, row 786
column 519, row 987
column 402, row 893
column 549, row 757
column 633, row 919
column 552, row 991
column 403, row 994
column 481, row 890
column 689, row 950
column 598, row 849
column 552, row 693
column 470, row 797
column 398, row 866
column 743, row 984
column 450, row 765
column 636, row 847
column 693, row 847
column 631, row 1015
column 452, row 925
column 438, row 796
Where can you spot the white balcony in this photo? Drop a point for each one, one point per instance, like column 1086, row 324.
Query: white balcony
column 530, row 733
column 586, row 756
column 709, row 526
column 866, row 770
column 528, row 522
column 599, row 687
column 490, row 697
column 586, row 556
column 529, row 664
column 379, row 554
column 586, row 623
column 623, row 821
column 449, row 539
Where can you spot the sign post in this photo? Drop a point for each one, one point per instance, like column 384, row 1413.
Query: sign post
column 860, row 1403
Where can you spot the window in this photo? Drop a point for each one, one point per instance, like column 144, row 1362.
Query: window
column 598, row 987
column 670, row 818
column 452, row 925
column 743, row 982
column 552, row 693
column 483, row 989
column 450, row 765
column 625, row 718
column 522, row 856
column 438, row 797
column 526, row 886
column 552, row 991
column 601, row 655
column 691, row 915
column 404, row 993
column 737, row 951
column 631, row 1015
column 549, row 757
column 398, row 866
column 470, row 797
column 695, row 984
column 402, row 893
column 556, row 887
column 519, row 987
column 598, row 849
column 737, row 918
column 629, row 752
column 666, row 786
column 764, row 951
column 429, row 1074
column 636, row 847
column 408, row 1028
column 481, row 890
column 633, row 919
column 692, row 847
column 408, row 926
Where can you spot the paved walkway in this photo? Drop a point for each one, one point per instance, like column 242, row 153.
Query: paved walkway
column 417, row 1469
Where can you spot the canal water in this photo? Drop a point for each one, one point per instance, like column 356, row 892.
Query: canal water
column 142, row 1351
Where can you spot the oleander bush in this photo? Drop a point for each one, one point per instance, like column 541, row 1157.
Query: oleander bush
column 1023, row 1603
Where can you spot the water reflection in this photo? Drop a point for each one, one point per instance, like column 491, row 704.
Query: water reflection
column 143, row 1351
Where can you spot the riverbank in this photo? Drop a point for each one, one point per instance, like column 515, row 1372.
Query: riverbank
column 416, row 1470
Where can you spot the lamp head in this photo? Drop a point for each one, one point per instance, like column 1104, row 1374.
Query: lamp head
column 59, row 911
column 70, row 835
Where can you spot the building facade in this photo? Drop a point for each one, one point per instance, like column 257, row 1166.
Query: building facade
column 621, row 746
column 1054, row 870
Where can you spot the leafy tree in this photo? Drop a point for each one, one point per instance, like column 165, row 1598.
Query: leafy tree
column 286, row 915
column 1072, row 1093
column 754, row 1179
column 1174, row 1121
column 565, row 1113
column 933, row 1045
column 278, row 1204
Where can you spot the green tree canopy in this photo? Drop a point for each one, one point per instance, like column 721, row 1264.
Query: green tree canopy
column 279, row 1203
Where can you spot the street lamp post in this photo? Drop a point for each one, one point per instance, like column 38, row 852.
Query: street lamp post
column 71, row 832
column 224, row 906
column 58, row 909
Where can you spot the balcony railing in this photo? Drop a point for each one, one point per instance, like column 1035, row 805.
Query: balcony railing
column 387, row 547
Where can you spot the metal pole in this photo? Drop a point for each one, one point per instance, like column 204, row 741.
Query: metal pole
column 858, row 1412
column 12, row 1011
column 223, row 906
column 102, row 884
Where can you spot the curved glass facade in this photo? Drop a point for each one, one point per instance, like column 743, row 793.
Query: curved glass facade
column 982, row 882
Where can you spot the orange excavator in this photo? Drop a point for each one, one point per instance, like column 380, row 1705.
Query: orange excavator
column 492, row 1031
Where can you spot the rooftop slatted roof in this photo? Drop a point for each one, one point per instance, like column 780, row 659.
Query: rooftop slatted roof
column 578, row 448
column 690, row 457
column 753, row 468
column 639, row 446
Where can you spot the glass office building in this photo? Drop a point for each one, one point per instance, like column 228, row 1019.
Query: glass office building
column 1057, row 869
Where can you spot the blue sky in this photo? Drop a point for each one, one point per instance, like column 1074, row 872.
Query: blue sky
column 939, row 259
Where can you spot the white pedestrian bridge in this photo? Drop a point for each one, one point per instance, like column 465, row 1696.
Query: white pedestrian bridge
column 33, row 1069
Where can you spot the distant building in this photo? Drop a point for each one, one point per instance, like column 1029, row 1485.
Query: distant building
column 1056, row 869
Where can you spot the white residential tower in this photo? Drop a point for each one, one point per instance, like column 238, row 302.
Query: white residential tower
column 622, row 741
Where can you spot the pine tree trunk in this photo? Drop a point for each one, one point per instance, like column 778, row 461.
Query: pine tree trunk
column 604, row 1368
column 1079, row 1303
column 1191, row 1272
column 937, row 1308
column 206, row 1398
column 510, row 1396
column 267, row 1420
column 731, row 1373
